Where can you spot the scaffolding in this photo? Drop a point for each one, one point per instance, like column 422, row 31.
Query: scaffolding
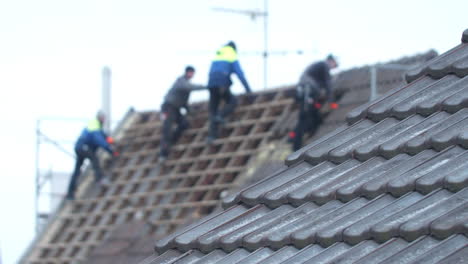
column 44, row 179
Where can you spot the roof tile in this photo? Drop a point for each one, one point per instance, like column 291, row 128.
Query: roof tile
column 435, row 178
column 438, row 89
column 406, row 182
column 361, row 230
column 443, row 65
column 457, row 179
column 456, row 102
column 457, row 257
column 422, row 138
column 318, row 153
column 442, row 250
column 413, row 251
column 390, row 227
column 454, row 222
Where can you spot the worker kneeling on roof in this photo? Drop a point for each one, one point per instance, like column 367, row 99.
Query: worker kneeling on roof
column 175, row 100
column 91, row 138
column 313, row 90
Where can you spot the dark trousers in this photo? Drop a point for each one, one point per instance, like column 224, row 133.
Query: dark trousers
column 171, row 115
column 308, row 121
column 81, row 154
column 216, row 95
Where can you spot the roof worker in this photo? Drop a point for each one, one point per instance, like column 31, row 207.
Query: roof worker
column 91, row 138
column 175, row 100
column 313, row 89
column 219, row 83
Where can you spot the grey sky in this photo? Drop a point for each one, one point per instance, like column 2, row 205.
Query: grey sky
column 52, row 52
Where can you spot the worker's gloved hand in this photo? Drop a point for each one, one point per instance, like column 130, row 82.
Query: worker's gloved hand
column 115, row 154
column 334, row 105
column 317, row 105
column 110, row 140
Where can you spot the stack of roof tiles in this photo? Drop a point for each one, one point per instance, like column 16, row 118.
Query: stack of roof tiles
column 391, row 186
column 95, row 227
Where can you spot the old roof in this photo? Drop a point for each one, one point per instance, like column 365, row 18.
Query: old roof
column 390, row 186
column 153, row 201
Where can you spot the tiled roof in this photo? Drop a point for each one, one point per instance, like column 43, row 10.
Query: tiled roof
column 192, row 181
column 391, row 186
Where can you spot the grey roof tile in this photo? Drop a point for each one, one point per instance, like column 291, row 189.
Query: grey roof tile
column 454, row 222
column 167, row 257
column 260, row 236
column 462, row 139
column 354, row 183
column 394, row 147
column 376, row 186
column 456, row 102
column 435, row 178
column 420, row 226
column 390, row 227
column 281, row 255
column 459, row 257
column 234, row 256
column 457, row 179
column 382, row 109
column 329, row 254
column 303, row 193
column 410, row 104
column 279, row 195
column 444, row 249
column 319, row 153
column 252, row 194
column 296, row 156
column 207, row 241
column 406, row 182
column 413, row 251
column 257, row 256
column 304, row 254
column 326, row 191
column 187, row 240
column 449, row 135
column 443, row 65
column 361, row 230
column 283, row 236
column 384, row 251
column 357, row 252
column 371, row 149
column 212, row 257
column 344, row 152
column 307, row 234
column 422, row 139
column 234, row 239
column 334, row 232
column 190, row 257
column 434, row 97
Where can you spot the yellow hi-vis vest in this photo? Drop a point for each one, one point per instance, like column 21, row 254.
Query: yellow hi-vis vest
column 94, row 125
column 226, row 53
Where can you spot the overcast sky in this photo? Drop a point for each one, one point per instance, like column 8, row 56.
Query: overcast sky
column 52, row 53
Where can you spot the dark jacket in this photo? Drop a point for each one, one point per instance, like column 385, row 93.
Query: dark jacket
column 223, row 66
column 179, row 94
column 317, row 76
column 93, row 137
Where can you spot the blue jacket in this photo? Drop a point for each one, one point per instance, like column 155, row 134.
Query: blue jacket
column 94, row 137
column 223, row 66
